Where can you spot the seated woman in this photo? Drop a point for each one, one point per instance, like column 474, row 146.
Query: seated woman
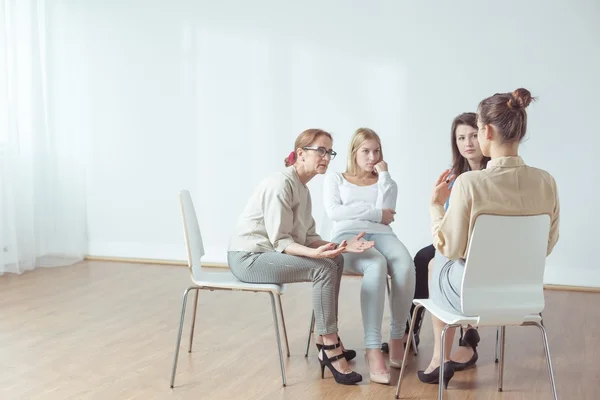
column 506, row 187
column 363, row 200
column 275, row 242
column 466, row 156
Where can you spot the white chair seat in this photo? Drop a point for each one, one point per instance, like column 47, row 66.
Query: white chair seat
column 451, row 318
column 226, row 280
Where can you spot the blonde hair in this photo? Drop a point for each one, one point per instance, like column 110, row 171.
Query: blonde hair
column 305, row 139
column 360, row 136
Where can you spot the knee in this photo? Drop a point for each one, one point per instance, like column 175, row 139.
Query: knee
column 377, row 268
column 401, row 262
column 423, row 257
column 339, row 262
column 330, row 268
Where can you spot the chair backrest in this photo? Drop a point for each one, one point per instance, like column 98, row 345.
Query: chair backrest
column 191, row 231
column 503, row 280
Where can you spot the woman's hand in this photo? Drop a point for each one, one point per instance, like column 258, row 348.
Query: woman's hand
column 329, row 250
column 442, row 189
column 387, row 216
column 381, row 166
column 357, row 244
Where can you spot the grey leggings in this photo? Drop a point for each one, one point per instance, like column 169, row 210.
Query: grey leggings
column 388, row 257
column 275, row 267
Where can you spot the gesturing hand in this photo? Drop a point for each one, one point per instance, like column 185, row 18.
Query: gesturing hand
column 329, row 250
column 357, row 244
column 442, row 189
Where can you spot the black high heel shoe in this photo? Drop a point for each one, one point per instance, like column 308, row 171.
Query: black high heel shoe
column 344, row 379
column 470, row 339
column 434, row 376
column 348, row 354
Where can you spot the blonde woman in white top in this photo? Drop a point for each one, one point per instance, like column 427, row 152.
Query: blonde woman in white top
column 275, row 242
column 364, row 200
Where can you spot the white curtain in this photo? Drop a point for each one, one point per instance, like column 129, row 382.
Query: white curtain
column 42, row 175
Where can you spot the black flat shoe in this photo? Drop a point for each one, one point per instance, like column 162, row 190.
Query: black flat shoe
column 348, row 354
column 434, row 376
column 341, row 378
column 470, row 339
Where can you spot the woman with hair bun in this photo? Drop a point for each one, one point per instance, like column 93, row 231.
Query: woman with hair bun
column 507, row 186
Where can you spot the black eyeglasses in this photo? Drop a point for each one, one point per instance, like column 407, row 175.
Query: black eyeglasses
column 322, row 151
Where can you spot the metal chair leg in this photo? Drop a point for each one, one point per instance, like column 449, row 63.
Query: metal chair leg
column 501, row 368
column 408, row 344
column 193, row 322
column 287, row 346
column 311, row 329
column 178, row 343
column 276, row 323
column 414, row 344
column 442, row 352
column 548, row 359
column 497, row 344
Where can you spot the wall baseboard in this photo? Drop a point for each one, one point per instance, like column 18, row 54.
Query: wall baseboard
column 154, row 261
column 182, row 263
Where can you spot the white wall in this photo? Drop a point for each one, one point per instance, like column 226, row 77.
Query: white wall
column 210, row 95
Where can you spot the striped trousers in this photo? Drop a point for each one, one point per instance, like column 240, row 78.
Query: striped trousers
column 275, row 267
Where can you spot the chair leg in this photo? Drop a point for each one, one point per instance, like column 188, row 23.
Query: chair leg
column 277, row 336
column 548, row 359
column 406, row 349
column 178, row 343
column 414, row 344
column 193, row 322
column 501, row 368
column 287, row 346
column 497, row 344
column 442, row 351
column 311, row 329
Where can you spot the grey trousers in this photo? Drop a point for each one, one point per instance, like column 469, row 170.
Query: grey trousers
column 275, row 267
column 446, row 282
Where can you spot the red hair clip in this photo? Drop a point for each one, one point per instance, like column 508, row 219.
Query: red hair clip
column 292, row 157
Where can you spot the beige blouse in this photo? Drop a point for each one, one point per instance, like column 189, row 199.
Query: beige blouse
column 506, row 187
column 278, row 213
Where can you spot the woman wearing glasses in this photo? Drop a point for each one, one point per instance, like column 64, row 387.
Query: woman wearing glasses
column 364, row 200
column 275, row 242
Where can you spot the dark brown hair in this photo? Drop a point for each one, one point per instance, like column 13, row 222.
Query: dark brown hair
column 506, row 111
column 305, row 139
column 459, row 163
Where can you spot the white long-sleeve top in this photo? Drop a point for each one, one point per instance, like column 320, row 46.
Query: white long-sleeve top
column 354, row 208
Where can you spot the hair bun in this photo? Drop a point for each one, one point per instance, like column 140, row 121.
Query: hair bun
column 520, row 98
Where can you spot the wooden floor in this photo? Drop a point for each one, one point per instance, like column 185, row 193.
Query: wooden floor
column 101, row 330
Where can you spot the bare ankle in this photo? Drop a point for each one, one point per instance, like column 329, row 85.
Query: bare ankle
column 330, row 338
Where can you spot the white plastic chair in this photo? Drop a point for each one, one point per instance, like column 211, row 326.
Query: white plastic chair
column 502, row 283
column 217, row 280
